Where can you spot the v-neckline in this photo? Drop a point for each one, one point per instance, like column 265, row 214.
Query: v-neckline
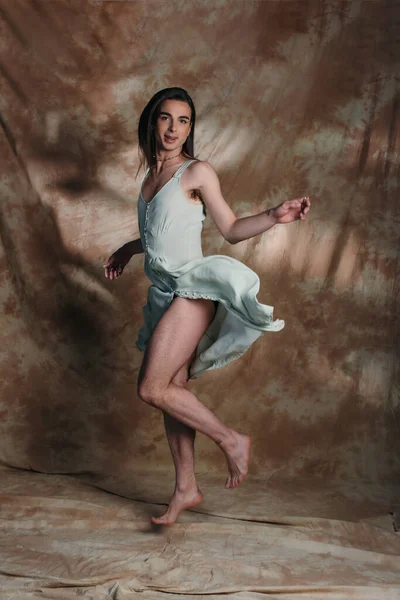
column 162, row 187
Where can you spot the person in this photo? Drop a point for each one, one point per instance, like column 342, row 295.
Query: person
column 201, row 312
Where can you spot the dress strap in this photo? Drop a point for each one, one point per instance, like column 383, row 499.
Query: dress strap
column 143, row 178
column 179, row 172
column 145, row 174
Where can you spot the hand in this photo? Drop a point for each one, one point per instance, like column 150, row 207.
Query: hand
column 116, row 263
column 292, row 210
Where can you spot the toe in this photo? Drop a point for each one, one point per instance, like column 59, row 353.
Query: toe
column 159, row 521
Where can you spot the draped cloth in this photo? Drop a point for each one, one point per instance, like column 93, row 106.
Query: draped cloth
column 292, row 98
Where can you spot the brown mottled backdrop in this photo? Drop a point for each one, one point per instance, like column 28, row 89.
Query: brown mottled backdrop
column 293, row 98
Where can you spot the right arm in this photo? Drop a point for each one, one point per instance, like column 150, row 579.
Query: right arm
column 134, row 247
column 118, row 261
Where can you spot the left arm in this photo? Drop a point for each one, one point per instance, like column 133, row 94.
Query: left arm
column 236, row 230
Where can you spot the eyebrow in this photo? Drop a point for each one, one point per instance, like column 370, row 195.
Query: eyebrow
column 163, row 112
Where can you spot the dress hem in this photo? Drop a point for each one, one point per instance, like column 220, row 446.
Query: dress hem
column 229, row 307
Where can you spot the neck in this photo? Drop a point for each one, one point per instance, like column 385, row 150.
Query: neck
column 163, row 155
column 166, row 159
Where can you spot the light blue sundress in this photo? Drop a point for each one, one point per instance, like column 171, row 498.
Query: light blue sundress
column 170, row 230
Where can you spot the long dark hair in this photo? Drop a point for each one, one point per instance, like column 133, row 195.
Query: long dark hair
column 147, row 121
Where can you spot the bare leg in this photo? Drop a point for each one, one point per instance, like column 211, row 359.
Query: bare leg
column 173, row 341
column 185, row 407
column 181, row 442
column 187, row 493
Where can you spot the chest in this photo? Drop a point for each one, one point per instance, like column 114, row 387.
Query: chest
column 152, row 186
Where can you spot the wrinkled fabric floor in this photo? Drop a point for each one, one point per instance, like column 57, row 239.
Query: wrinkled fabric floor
column 69, row 537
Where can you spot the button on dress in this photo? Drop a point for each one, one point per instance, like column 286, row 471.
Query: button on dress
column 170, row 231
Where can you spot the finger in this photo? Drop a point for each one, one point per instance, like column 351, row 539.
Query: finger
column 290, row 205
column 305, row 205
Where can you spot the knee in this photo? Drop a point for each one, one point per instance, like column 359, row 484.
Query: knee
column 181, row 380
column 150, row 393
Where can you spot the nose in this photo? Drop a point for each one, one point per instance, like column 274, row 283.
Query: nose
column 172, row 126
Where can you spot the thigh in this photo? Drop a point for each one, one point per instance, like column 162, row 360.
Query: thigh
column 174, row 340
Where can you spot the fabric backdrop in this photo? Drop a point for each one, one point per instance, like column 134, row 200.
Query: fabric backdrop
column 293, row 98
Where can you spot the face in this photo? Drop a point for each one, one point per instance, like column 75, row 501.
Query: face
column 173, row 124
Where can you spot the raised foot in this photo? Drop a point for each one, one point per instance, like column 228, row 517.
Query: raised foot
column 180, row 501
column 237, row 456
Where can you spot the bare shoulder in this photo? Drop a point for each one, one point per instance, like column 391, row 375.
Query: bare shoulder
column 201, row 173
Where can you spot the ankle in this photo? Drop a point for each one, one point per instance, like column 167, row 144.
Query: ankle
column 229, row 441
column 186, row 486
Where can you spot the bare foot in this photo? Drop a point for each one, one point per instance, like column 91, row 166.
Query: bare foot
column 180, row 501
column 237, row 456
